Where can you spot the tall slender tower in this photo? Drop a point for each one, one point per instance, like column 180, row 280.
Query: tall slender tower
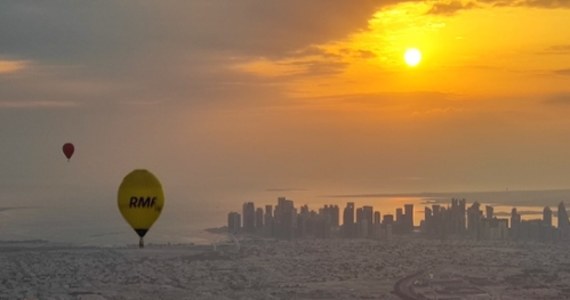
column 409, row 217
column 563, row 224
column 515, row 223
column 547, row 216
column 348, row 219
column 474, row 220
column 489, row 212
column 248, row 214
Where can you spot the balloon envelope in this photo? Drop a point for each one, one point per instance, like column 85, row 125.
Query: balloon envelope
column 68, row 150
column 140, row 200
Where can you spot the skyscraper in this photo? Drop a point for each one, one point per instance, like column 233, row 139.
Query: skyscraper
column 562, row 216
column 259, row 218
column 456, row 216
column 335, row 215
column 348, row 220
column 547, row 216
column 361, row 229
column 399, row 215
column 368, row 214
column 304, row 224
column 285, row 218
column 359, row 215
column 248, row 213
column 515, row 224
column 428, row 222
column 474, row 220
column 388, row 219
column 330, row 213
column 409, row 217
column 234, row 222
column 489, row 212
column 268, row 220
column 563, row 225
column 377, row 217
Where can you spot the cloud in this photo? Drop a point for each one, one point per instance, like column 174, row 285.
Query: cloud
column 178, row 52
column 422, row 100
column 183, row 51
column 454, row 6
column 557, row 49
column 13, row 208
column 287, row 69
column 285, row 190
column 565, row 72
column 103, row 29
column 36, row 104
column 11, row 66
column 543, row 3
column 39, row 85
column 450, row 8
column 558, row 100
column 267, row 28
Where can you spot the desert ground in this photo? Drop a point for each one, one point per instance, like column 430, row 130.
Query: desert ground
column 404, row 268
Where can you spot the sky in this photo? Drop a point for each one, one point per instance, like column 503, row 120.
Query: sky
column 226, row 97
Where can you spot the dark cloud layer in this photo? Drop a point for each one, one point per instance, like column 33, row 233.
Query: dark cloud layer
column 565, row 72
column 172, row 50
column 113, row 51
column 449, row 8
column 454, row 6
column 559, row 100
column 558, row 49
column 67, row 30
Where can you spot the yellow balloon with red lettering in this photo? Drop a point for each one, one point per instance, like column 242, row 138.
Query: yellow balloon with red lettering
column 140, row 201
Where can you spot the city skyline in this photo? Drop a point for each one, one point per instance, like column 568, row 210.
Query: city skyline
column 455, row 220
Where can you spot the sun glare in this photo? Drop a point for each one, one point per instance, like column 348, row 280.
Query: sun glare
column 412, row 57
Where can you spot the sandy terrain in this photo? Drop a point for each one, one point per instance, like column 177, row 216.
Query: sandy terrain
column 268, row 269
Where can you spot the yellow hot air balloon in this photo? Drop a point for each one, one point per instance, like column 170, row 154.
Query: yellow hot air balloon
column 140, row 200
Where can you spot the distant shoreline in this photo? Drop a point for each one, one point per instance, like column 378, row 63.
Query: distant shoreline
column 440, row 194
column 217, row 230
column 509, row 198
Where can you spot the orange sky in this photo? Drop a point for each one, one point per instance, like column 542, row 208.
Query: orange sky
column 479, row 52
column 233, row 97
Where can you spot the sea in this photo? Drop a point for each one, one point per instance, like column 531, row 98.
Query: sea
column 89, row 216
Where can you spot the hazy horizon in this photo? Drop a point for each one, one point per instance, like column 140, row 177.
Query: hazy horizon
column 89, row 215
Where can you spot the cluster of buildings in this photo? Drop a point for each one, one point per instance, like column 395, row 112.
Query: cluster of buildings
column 456, row 220
column 284, row 220
column 461, row 222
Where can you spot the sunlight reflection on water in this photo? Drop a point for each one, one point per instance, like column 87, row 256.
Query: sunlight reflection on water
column 69, row 216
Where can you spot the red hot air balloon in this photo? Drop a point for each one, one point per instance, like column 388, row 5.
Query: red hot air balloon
column 68, row 150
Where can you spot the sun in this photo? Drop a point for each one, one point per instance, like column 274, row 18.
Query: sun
column 412, row 57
